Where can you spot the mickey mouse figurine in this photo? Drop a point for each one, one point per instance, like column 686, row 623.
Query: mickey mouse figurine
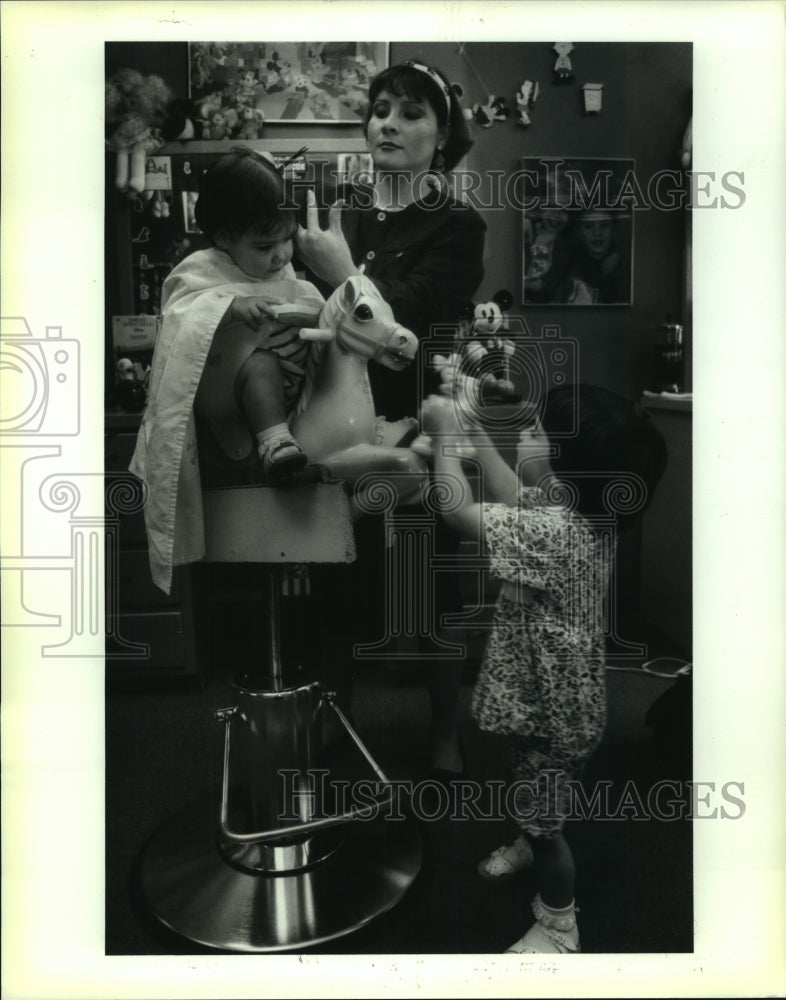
column 472, row 372
column 481, row 353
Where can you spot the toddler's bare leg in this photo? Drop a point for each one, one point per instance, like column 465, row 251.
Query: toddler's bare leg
column 259, row 391
column 555, row 868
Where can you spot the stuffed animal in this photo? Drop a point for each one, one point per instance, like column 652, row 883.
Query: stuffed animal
column 252, row 121
column 316, row 66
column 136, row 108
column 246, row 89
column 494, row 110
column 219, row 129
column 480, row 352
column 476, row 374
column 525, row 98
column 130, row 387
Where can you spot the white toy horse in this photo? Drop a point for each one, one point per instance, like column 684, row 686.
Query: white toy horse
column 335, row 422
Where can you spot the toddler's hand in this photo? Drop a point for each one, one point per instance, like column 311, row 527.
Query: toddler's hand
column 439, row 423
column 438, row 417
column 253, row 310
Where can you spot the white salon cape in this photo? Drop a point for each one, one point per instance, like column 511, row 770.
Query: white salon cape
column 194, row 298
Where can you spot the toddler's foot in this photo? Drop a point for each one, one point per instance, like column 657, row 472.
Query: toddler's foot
column 507, row 861
column 553, row 933
column 281, row 456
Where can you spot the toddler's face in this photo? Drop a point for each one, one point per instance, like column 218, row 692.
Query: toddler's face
column 260, row 256
column 533, row 442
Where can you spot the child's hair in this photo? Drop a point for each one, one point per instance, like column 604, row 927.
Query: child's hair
column 601, row 434
column 243, row 192
column 405, row 80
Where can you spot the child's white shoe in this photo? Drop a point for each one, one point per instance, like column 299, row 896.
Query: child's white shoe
column 507, row 861
column 553, row 933
column 282, row 456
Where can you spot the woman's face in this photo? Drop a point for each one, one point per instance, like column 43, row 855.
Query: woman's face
column 402, row 134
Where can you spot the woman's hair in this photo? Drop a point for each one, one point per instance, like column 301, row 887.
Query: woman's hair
column 405, row 80
column 603, row 437
column 243, row 192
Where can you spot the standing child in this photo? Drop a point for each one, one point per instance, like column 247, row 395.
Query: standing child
column 542, row 680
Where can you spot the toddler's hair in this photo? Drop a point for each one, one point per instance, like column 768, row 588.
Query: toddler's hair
column 241, row 193
column 612, row 435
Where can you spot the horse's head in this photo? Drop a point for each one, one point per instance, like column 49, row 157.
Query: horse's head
column 364, row 324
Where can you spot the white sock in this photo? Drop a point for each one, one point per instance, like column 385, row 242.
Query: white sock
column 265, row 437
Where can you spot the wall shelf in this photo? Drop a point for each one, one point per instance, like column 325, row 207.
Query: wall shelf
column 335, row 144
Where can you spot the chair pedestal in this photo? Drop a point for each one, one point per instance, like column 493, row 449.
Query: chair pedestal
column 271, row 865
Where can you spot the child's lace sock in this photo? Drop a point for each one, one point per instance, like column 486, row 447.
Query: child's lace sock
column 554, row 931
column 279, row 451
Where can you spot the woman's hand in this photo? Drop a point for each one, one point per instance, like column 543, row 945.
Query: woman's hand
column 325, row 251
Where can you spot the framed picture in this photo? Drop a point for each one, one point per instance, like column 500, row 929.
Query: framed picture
column 577, row 233
column 304, row 82
column 353, row 166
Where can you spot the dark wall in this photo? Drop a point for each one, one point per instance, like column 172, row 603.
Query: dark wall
column 646, row 106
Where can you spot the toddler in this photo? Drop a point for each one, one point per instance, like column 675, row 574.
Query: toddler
column 243, row 211
column 542, row 679
column 227, row 367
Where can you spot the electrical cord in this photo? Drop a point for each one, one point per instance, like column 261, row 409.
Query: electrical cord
column 685, row 670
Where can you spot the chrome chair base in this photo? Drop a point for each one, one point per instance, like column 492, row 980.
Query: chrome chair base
column 193, row 888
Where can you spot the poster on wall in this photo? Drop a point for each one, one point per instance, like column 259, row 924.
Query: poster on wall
column 304, row 82
column 577, row 232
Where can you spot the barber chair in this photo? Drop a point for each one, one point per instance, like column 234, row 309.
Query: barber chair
column 265, row 866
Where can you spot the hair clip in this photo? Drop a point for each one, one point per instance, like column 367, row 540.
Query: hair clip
column 283, row 164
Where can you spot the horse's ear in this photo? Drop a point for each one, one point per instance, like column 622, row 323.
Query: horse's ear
column 349, row 293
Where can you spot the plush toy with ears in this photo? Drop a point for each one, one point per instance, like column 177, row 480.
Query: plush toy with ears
column 136, row 108
column 481, row 353
column 252, row 121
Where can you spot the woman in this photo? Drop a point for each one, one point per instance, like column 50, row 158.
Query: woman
column 424, row 251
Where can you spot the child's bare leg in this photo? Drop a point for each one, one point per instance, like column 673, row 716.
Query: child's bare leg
column 259, row 391
column 554, row 930
column 555, row 869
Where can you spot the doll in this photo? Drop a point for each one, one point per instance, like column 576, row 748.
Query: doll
column 525, row 98
column 136, row 108
column 563, row 68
